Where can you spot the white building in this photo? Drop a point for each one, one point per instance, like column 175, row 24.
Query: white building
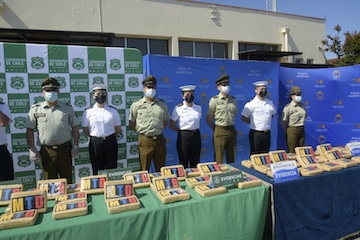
column 169, row 27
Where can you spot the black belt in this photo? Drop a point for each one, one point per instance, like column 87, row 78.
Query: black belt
column 225, row 127
column 103, row 138
column 151, row 137
column 265, row 131
column 55, row 147
column 296, row 126
column 192, row 131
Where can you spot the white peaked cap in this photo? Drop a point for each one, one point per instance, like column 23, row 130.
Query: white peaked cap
column 260, row 83
column 99, row 87
column 188, row 88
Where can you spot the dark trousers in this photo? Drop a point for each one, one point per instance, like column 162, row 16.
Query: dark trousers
column 295, row 137
column 188, row 146
column 103, row 153
column 56, row 161
column 152, row 148
column 225, row 141
column 259, row 141
column 7, row 167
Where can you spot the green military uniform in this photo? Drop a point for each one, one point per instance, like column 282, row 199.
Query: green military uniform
column 54, row 132
column 294, row 113
column 223, row 109
column 149, row 120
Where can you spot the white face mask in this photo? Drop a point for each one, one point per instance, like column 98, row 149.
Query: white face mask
column 297, row 98
column 51, row 96
column 225, row 89
column 150, row 92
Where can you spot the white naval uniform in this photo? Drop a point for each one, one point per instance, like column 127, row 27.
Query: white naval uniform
column 188, row 141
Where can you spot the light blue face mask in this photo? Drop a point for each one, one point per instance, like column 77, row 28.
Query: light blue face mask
column 225, row 89
column 51, row 96
column 150, row 92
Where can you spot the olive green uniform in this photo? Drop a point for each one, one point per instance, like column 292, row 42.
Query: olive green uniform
column 54, row 132
column 149, row 120
column 294, row 115
column 223, row 111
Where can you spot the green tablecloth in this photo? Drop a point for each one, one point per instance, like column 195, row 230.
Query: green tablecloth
column 237, row 214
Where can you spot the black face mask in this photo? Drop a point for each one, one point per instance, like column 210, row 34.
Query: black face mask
column 263, row 93
column 100, row 99
column 189, row 98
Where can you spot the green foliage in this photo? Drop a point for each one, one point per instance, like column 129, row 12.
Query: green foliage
column 348, row 53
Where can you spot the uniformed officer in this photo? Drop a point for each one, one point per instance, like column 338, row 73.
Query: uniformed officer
column 293, row 120
column 7, row 167
column 259, row 113
column 149, row 116
column 188, row 115
column 223, row 108
column 57, row 126
column 102, row 124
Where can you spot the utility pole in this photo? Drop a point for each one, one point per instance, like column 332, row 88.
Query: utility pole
column 271, row 5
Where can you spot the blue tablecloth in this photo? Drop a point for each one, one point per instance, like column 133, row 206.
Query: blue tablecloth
column 326, row 206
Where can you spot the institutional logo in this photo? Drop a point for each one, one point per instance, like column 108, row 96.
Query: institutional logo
column 290, row 81
column 203, row 153
column 321, row 139
column 23, row 161
column 80, row 101
column 78, row 63
column 115, row 64
column 338, row 118
column 38, row 99
column 222, row 70
column 84, row 172
column 116, row 100
column 17, row 82
column 62, row 81
column 98, row 80
column 134, row 150
column 83, row 139
column 37, row 63
column 120, row 136
column 205, row 136
column 203, row 98
column 336, row 74
column 19, row 122
column 204, row 80
column 320, row 95
column 133, row 82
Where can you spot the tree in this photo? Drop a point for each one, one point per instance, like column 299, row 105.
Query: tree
column 348, row 53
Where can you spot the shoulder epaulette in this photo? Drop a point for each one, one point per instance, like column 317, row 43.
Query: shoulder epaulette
column 180, row 104
column 232, row 96
column 250, row 99
column 196, row 103
column 161, row 100
column 113, row 107
column 35, row 105
column 67, row 103
column 216, row 96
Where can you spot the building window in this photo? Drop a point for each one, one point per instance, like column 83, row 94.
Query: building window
column 298, row 60
column 203, row 49
column 144, row 45
column 310, row 61
column 261, row 47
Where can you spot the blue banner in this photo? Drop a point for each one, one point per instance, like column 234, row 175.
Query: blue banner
column 173, row 72
column 332, row 100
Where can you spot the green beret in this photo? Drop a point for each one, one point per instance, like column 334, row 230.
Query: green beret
column 149, row 81
column 50, row 82
column 223, row 79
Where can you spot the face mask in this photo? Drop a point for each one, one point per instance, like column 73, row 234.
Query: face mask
column 51, row 96
column 189, row 98
column 225, row 89
column 100, row 99
column 150, row 92
column 297, row 98
column 263, row 93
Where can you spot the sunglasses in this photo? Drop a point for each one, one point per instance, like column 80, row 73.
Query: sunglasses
column 297, row 94
column 51, row 89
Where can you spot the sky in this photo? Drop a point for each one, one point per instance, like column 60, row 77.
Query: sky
column 346, row 13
